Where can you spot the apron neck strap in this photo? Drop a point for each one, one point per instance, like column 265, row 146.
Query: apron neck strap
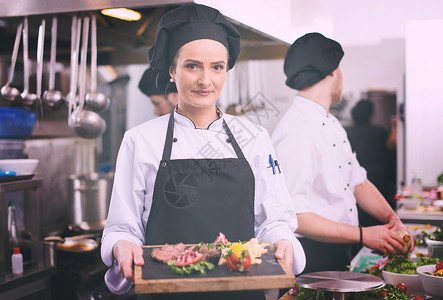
column 170, row 133
column 233, row 141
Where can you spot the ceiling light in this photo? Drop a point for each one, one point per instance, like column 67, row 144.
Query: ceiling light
column 122, row 13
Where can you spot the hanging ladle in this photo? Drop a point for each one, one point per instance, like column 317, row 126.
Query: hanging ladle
column 75, row 46
column 87, row 124
column 52, row 97
column 9, row 93
column 95, row 101
column 40, row 49
column 29, row 99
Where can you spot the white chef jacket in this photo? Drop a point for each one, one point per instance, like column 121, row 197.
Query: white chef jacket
column 321, row 171
column 136, row 169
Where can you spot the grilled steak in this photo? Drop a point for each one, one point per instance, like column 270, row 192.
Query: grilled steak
column 171, row 252
column 211, row 255
column 168, row 252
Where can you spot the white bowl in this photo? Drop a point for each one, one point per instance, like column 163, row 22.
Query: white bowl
column 433, row 285
column 433, row 242
column 410, row 203
column 411, row 281
column 19, row 166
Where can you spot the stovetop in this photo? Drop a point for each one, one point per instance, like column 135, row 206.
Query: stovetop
column 80, row 275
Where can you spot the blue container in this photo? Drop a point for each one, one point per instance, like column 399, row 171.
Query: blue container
column 16, row 122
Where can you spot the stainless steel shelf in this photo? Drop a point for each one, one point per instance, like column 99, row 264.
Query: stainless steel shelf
column 32, row 205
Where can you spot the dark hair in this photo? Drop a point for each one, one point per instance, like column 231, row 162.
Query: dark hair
column 170, row 88
column 362, row 112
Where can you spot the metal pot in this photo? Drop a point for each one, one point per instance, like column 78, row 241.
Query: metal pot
column 89, row 197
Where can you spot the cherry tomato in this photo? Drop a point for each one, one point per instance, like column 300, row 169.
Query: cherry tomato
column 402, row 286
column 418, row 298
column 234, row 263
column 231, row 264
column 383, row 294
column 246, row 262
column 439, row 266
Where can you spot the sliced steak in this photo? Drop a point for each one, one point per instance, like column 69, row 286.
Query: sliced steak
column 166, row 253
column 211, row 255
column 171, row 252
column 180, row 247
column 194, row 248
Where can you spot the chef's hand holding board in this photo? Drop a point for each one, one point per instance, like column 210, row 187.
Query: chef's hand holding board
column 128, row 254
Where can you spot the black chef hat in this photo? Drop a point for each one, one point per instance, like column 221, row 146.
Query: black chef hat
column 310, row 59
column 149, row 84
column 187, row 23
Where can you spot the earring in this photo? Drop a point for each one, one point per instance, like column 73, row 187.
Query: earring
column 171, row 80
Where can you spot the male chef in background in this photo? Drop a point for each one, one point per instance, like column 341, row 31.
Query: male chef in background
column 163, row 98
column 323, row 176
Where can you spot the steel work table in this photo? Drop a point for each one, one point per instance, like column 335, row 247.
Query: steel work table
column 340, row 282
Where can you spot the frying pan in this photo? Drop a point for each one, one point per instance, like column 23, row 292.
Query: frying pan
column 75, row 244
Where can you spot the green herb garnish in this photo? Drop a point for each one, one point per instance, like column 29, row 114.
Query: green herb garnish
column 198, row 267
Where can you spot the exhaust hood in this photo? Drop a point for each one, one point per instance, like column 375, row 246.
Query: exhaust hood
column 119, row 42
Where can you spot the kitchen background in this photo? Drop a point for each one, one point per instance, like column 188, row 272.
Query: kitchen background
column 392, row 56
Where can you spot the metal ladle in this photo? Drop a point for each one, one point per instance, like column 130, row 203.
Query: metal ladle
column 40, row 49
column 28, row 98
column 95, row 101
column 75, row 46
column 9, row 93
column 52, row 97
column 87, row 124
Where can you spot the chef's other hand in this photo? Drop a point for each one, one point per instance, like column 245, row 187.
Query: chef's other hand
column 382, row 238
column 283, row 250
column 397, row 224
column 127, row 253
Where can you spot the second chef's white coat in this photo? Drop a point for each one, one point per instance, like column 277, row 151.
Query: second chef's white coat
column 321, row 171
column 137, row 164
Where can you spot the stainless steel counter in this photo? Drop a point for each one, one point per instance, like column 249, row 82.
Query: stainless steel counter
column 422, row 215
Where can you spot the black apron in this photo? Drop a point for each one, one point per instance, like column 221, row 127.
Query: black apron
column 326, row 256
column 195, row 199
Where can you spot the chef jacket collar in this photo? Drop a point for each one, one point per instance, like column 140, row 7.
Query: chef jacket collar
column 184, row 121
column 320, row 110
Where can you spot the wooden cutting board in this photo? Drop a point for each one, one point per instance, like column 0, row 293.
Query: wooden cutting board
column 156, row 277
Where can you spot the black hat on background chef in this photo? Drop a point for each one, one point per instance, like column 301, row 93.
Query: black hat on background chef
column 187, row 23
column 311, row 58
column 149, row 86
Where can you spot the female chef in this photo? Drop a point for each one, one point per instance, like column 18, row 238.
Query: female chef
column 186, row 176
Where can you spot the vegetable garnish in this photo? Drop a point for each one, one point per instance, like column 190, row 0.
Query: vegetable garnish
column 198, row 267
column 220, row 239
column 389, row 292
column 437, row 235
column 404, row 265
column 198, row 258
column 238, row 258
column 438, row 270
column 375, row 270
